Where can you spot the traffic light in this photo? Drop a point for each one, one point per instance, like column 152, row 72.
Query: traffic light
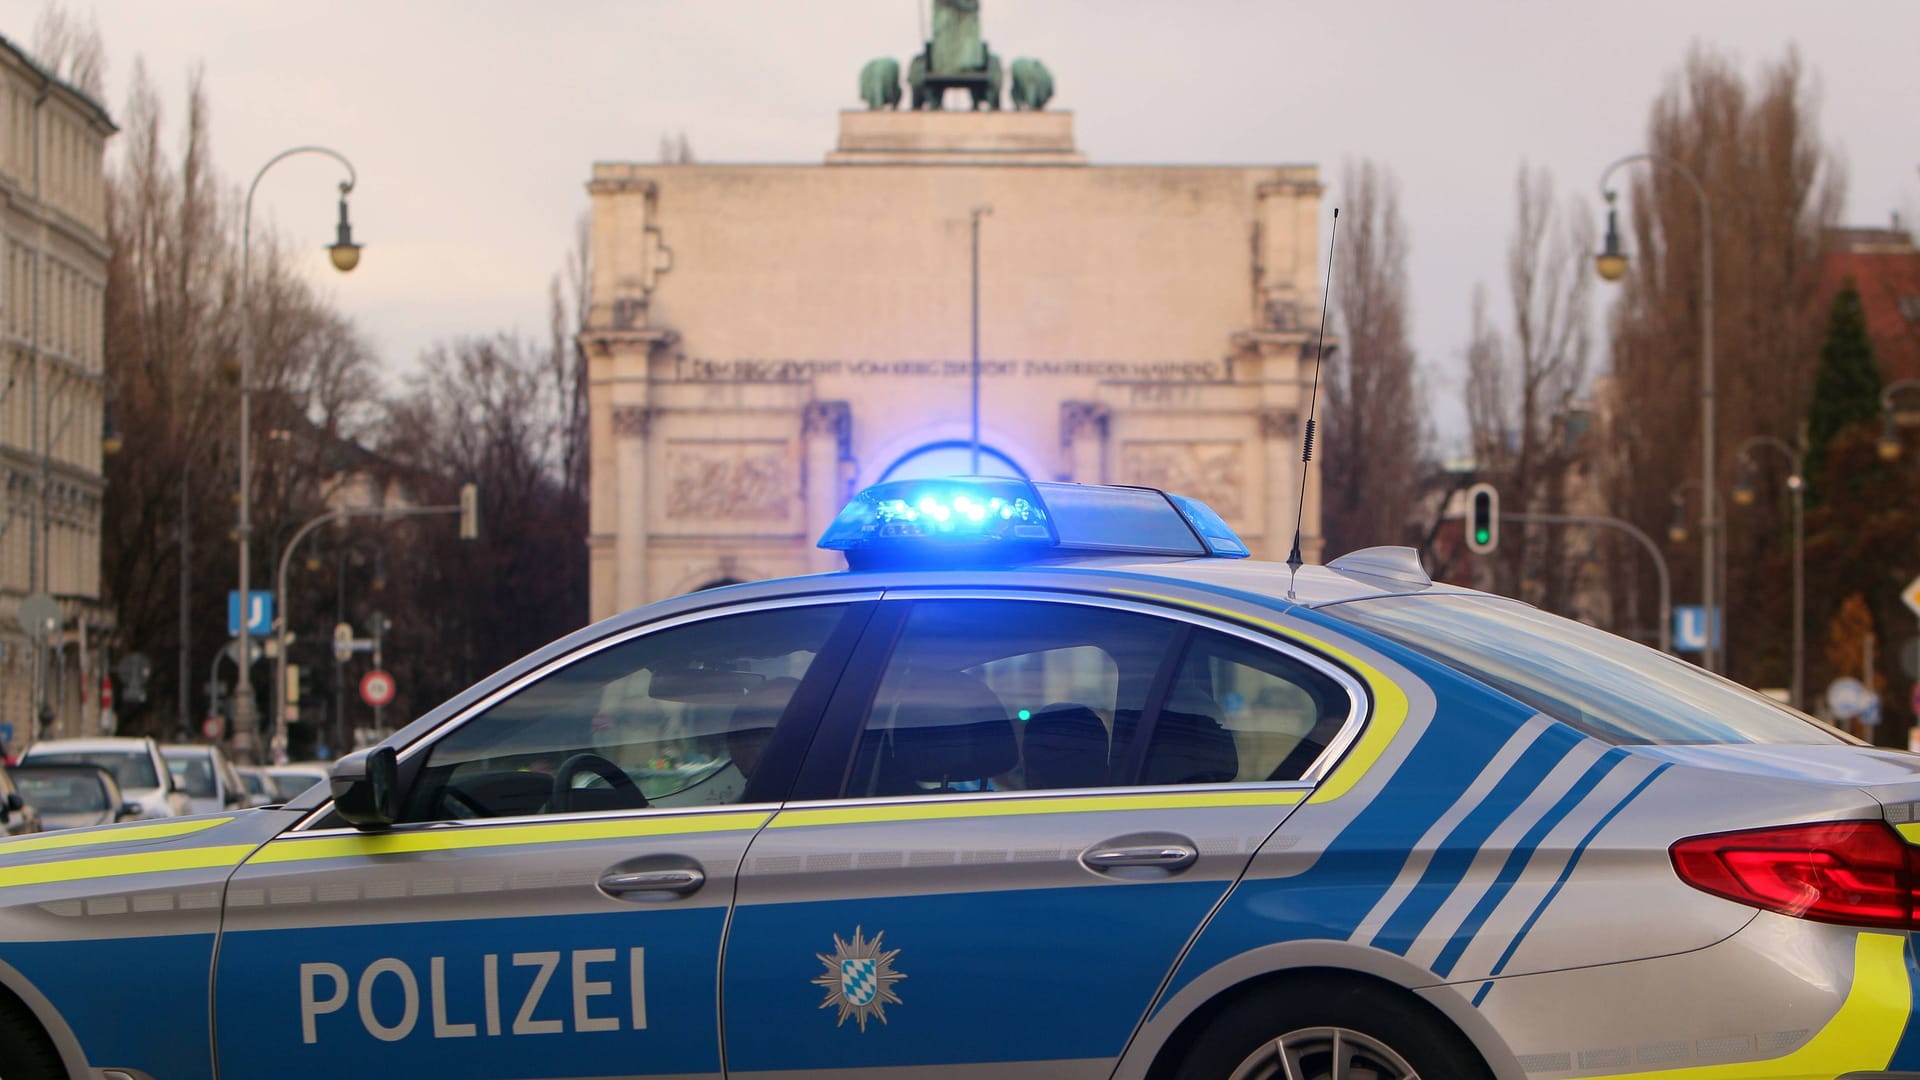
column 1483, row 518
column 469, row 511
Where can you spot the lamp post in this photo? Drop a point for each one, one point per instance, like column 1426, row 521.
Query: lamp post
column 1611, row 264
column 467, row 508
column 1743, row 494
column 345, row 255
column 976, row 214
column 1890, row 446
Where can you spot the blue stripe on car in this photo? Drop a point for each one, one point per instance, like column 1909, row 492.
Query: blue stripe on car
column 1573, row 861
column 1517, row 860
column 1456, row 853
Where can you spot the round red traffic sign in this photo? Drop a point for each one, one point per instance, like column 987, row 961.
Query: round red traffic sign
column 213, row 727
column 376, row 688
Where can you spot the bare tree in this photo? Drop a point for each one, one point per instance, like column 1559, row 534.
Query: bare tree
column 1773, row 188
column 676, row 149
column 73, row 50
column 1522, row 380
column 1375, row 426
column 173, row 307
column 488, row 411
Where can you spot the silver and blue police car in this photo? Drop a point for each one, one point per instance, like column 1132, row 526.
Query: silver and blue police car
column 1050, row 783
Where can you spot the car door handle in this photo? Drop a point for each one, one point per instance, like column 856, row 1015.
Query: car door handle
column 1170, row 857
column 678, row 881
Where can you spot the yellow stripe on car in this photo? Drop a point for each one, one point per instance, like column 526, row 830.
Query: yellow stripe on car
column 110, row 834
column 300, row 847
column 110, row 866
column 951, row 806
column 1860, row 1038
column 1389, row 701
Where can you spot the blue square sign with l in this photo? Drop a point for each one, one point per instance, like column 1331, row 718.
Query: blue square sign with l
column 1690, row 627
column 259, row 612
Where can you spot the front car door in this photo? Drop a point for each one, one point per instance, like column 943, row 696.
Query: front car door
column 1032, row 805
column 553, row 900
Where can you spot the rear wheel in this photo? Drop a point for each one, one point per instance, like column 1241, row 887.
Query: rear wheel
column 25, row 1051
column 1347, row 1030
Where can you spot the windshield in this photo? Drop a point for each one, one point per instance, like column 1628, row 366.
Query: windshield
column 62, row 794
column 1604, row 685
column 194, row 776
column 132, row 768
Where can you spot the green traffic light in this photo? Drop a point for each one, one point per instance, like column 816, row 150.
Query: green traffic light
column 1481, row 536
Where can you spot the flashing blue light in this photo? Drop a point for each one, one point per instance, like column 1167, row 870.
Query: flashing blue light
column 974, row 513
column 988, row 520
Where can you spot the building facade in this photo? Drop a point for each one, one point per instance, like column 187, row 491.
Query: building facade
column 53, row 277
column 765, row 340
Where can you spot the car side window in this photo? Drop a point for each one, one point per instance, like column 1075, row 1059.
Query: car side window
column 1239, row 712
column 674, row 718
column 1006, row 695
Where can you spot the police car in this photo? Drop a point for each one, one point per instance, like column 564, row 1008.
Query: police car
column 1051, row 783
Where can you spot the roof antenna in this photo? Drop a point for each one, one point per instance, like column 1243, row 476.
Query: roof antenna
column 1313, row 400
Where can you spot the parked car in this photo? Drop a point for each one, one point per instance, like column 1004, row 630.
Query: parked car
column 18, row 814
column 74, row 796
column 260, row 788
column 135, row 763
column 204, row 773
column 292, row 780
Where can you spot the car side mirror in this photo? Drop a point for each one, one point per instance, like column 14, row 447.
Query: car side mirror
column 128, row 812
column 366, row 788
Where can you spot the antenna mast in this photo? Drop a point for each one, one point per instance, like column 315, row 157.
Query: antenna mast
column 1313, row 401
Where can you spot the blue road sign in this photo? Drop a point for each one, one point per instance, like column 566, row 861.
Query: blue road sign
column 6, row 733
column 1690, row 628
column 259, row 612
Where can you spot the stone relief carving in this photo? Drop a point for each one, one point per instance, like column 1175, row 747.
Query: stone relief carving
column 631, row 421
column 1212, row 472
column 728, row 481
column 1077, row 417
column 830, row 418
column 1279, row 424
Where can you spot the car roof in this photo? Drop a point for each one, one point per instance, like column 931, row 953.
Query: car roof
column 105, row 742
column 185, row 750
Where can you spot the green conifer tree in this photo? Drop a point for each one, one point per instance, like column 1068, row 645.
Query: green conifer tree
column 1846, row 390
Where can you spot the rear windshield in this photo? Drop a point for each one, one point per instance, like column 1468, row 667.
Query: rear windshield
column 1604, row 685
column 132, row 768
column 62, row 793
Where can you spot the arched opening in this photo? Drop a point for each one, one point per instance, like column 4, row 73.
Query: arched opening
column 950, row 457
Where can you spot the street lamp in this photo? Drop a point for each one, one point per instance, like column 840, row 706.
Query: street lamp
column 1743, row 494
column 1890, row 447
column 345, row 255
column 1611, row 264
column 1677, row 525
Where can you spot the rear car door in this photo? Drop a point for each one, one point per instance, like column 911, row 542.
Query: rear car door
column 552, row 902
column 1026, row 807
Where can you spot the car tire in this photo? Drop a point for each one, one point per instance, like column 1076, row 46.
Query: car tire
column 26, row 1053
column 1381, row 1032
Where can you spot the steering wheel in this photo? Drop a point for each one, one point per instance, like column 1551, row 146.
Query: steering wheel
column 616, row 777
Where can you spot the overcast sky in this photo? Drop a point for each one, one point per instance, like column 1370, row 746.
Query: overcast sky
column 473, row 123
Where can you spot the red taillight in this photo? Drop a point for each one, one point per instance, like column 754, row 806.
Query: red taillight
column 1856, row 872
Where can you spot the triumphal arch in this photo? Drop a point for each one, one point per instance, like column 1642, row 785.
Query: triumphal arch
column 765, row 339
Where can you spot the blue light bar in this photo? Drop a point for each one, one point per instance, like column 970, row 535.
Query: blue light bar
column 982, row 514
column 979, row 520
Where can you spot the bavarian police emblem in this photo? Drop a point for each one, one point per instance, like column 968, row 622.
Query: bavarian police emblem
column 859, row 978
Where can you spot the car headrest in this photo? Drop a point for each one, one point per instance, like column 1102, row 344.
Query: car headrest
column 764, row 705
column 951, row 726
column 1066, row 747
column 1190, row 748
